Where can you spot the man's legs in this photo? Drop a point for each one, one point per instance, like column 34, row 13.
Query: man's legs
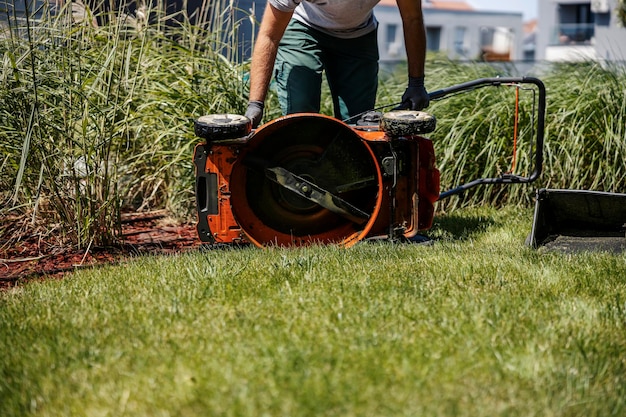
column 298, row 70
column 351, row 67
column 352, row 72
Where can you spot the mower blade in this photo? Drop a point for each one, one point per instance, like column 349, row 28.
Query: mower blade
column 318, row 195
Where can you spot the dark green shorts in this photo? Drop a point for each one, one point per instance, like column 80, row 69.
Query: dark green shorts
column 351, row 67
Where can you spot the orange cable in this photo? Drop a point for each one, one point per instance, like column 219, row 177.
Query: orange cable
column 515, row 133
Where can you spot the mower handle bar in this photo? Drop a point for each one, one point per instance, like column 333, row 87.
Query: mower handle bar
column 541, row 116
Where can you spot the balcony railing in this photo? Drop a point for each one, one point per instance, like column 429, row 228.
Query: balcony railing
column 573, row 34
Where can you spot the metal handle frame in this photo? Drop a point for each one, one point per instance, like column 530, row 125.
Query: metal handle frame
column 541, row 116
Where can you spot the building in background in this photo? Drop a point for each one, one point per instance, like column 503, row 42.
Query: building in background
column 455, row 29
column 575, row 30
column 530, row 40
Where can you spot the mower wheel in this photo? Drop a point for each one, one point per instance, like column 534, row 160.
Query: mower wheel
column 215, row 127
column 407, row 123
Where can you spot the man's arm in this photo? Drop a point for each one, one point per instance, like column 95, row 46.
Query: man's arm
column 272, row 28
column 415, row 96
column 414, row 35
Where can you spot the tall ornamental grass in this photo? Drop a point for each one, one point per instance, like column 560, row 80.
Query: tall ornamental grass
column 97, row 113
column 98, row 117
column 586, row 145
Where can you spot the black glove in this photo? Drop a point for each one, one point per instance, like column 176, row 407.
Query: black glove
column 415, row 96
column 255, row 112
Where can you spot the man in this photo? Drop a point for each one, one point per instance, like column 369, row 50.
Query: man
column 298, row 40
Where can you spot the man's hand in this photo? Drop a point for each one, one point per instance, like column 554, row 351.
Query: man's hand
column 415, row 96
column 255, row 112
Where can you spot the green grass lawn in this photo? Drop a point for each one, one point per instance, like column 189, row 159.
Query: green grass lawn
column 476, row 324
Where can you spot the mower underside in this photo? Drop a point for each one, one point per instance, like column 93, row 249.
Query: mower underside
column 308, row 178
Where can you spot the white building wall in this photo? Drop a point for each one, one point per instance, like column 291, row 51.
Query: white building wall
column 459, row 32
column 610, row 38
column 607, row 43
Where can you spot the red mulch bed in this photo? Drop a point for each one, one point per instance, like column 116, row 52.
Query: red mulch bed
column 34, row 257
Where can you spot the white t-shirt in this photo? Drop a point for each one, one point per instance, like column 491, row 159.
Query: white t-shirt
column 340, row 18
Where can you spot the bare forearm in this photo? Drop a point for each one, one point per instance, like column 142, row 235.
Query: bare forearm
column 415, row 38
column 414, row 35
column 261, row 68
column 271, row 31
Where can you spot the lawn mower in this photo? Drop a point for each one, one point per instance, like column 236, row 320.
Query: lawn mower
column 308, row 178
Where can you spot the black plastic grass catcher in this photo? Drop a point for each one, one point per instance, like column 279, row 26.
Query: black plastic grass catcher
column 579, row 220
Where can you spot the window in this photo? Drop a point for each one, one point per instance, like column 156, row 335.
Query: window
column 433, row 38
column 459, row 40
column 392, row 43
column 392, row 32
column 576, row 24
